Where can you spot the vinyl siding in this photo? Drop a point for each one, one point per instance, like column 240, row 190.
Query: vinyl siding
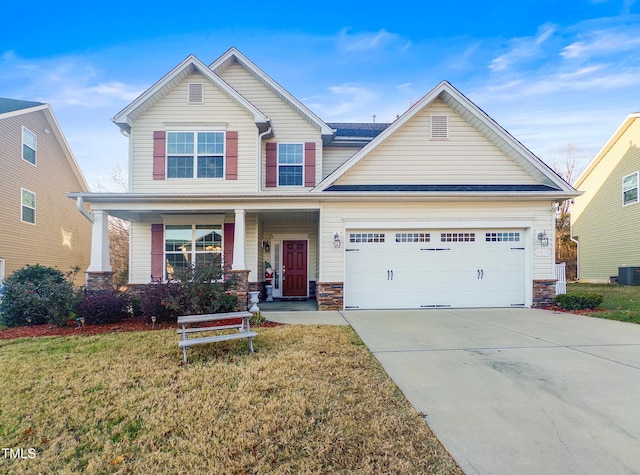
column 608, row 232
column 421, row 214
column 218, row 112
column 61, row 236
column 333, row 157
column 288, row 124
column 410, row 156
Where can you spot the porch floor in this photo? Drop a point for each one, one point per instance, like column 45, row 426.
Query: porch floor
column 278, row 305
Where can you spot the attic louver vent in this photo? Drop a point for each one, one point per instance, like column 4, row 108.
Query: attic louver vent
column 439, row 127
column 196, row 93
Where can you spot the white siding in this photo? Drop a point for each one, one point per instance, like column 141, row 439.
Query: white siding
column 419, row 215
column 219, row 112
column 333, row 157
column 410, row 156
column 140, row 253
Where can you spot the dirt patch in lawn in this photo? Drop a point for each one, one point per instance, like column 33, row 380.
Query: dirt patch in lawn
column 72, row 328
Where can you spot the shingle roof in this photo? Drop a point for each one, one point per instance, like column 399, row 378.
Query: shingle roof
column 441, row 188
column 11, row 105
column 361, row 130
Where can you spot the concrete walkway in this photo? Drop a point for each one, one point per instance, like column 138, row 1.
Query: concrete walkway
column 517, row 391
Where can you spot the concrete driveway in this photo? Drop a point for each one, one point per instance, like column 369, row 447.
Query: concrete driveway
column 517, row 391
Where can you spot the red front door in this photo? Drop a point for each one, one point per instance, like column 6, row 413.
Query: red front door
column 294, row 269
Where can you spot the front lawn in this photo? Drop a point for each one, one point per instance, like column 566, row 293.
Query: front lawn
column 620, row 302
column 312, row 400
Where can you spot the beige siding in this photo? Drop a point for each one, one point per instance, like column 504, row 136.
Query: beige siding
column 288, row 124
column 61, row 236
column 607, row 230
column 418, row 215
column 219, row 112
column 333, row 157
column 140, row 253
column 410, row 156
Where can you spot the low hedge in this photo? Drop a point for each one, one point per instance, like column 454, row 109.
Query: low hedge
column 579, row 301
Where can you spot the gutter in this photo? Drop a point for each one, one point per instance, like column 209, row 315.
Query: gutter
column 260, row 137
column 84, row 212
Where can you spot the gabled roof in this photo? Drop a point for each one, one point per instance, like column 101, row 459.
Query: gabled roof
column 607, row 146
column 233, row 55
column 18, row 107
column 165, row 85
column 478, row 119
column 13, row 105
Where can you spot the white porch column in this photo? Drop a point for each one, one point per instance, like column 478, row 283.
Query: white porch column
column 239, row 241
column 100, row 261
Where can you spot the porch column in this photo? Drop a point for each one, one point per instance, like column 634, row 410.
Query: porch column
column 239, row 242
column 100, row 261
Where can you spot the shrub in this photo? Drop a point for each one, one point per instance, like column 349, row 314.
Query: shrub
column 579, row 301
column 104, row 306
column 36, row 294
column 196, row 291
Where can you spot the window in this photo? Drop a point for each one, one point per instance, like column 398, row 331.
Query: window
column 195, row 155
column 1, row 274
column 630, row 189
column 502, row 237
column 28, row 207
column 187, row 245
column 290, row 164
column 413, row 237
column 29, row 145
column 366, row 237
column 457, row 237
column 439, row 127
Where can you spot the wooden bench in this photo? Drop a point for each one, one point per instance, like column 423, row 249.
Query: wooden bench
column 244, row 330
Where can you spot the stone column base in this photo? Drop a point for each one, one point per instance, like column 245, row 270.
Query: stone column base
column 544, row 291
column 241, row 289
column 330, row 295
column 100, row 281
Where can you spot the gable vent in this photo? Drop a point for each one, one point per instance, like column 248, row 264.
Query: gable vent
column 439, row 127
column 196, row 93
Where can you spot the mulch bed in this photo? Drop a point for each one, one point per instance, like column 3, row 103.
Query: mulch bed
column 132, row 325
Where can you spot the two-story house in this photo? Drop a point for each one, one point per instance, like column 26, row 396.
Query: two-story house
column 38, row 223
column 441, row 208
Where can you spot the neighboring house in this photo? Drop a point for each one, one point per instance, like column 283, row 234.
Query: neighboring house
column 440, row 208
column 39, row 224
column 606, row 218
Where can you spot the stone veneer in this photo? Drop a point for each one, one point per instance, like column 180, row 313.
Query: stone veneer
column 544, row 292
column 100, row 281
column 330, row 295
column 241, row 289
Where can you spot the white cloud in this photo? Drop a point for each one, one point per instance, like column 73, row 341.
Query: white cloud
column 369, row 41
column 602, row 42
column 524, row 48
column 348, row 99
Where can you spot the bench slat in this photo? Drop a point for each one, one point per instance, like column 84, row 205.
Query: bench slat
column 212, row 317
column 213, row 339
column 209, row 329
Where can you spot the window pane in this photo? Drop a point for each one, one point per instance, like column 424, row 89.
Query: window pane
column 28, row 199
column 28, row 215
column 29, row 138
column 178, row 238
column 208, row 238
column 180, row 143
column 210, row 167
column 290, row 154
column 29, row 154
column 177, row 263
column 631, row 196
column 210, row 143
column 630, row 181
column 180, row 167
column 290, row 175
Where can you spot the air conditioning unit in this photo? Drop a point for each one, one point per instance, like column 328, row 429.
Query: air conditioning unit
column 628, row 275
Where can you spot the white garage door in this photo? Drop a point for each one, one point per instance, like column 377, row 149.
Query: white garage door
column 434, row 268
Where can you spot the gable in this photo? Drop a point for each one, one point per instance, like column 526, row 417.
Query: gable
column 288, row 121
column 411, row 157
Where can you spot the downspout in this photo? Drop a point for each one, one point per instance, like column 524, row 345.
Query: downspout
column 80, row 205
column 260, row 137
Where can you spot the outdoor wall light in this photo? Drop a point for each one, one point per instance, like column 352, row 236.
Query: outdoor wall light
column 336, row 240
column 266, row 246
column 543, row 238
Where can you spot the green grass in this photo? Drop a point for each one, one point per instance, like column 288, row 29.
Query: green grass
column 620, row 302
column 311, row 400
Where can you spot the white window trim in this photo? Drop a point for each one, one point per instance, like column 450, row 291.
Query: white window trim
column 637, row 187
column 23, row 144
column 302, row 165
column 2, row 270
column 195, row 154
column 23, row 205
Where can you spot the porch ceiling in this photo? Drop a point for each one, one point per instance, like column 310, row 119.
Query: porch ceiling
column 280, row 216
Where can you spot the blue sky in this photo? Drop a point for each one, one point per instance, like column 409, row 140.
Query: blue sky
column 552, row 73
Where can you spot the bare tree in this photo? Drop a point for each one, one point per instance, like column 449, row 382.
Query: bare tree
column 118, row 231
